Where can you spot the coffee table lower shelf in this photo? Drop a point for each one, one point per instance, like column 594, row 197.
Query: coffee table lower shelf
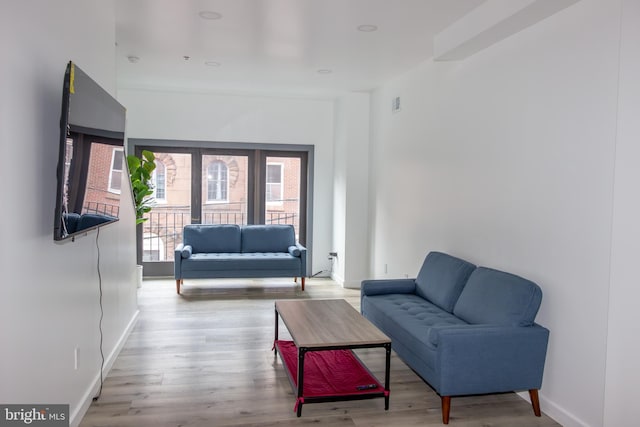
column 328, row 375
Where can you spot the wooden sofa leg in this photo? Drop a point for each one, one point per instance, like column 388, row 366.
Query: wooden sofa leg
column 535, row 401
column 303, row 283
column 446, row 408
column 178, row 282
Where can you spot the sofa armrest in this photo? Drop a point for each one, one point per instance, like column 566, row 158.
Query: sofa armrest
column 186, row 252
column 303, row 259
column 177, row 261
column 178, row 250
column 385, row 287
column 388, row 286
column 475, row 359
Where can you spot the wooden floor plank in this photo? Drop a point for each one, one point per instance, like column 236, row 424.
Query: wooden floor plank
column 204, row 358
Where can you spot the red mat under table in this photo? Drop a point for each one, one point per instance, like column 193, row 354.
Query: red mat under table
column 329, row 375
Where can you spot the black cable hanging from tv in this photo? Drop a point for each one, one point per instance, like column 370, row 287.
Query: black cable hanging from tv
column 101, row 318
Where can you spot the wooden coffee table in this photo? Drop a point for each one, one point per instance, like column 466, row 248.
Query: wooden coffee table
column 330, row 329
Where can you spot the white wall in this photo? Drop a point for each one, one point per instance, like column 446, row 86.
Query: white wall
column 623, row 343
column 350, row 189
column 237, row 118
column 339, row 219
column 49, row 303
column 507, row 159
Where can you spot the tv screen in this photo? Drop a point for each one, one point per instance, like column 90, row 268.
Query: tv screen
column 91, row 164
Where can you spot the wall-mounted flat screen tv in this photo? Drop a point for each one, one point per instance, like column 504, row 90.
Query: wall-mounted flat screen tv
column 92, row 170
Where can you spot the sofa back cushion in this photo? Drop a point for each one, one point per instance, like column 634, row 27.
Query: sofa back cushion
column 267, row 238
column 442, row 278
column 498, row 298
column 208, row 238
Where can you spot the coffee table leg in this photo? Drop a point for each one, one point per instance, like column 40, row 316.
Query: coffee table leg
column 275, row 349
column 387, row 348
column 301, row 352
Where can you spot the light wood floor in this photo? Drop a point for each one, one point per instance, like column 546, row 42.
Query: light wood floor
column 204, row 359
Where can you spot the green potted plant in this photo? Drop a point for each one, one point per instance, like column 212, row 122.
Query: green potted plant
column 140, row 171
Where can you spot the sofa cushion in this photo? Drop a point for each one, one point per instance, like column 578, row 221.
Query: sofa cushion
column 207, row 238
column 442, row 278
column 241, row 261
column 409, row 319
column 499, row 298
column 267, row 238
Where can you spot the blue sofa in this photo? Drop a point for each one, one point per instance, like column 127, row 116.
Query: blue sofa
column 464, row 329
column 229, row 250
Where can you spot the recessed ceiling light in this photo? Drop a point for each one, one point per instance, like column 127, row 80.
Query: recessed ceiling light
column 133, row 59
column 212, row 63
column 324, row 71
column 208, row 14
column 367, row 28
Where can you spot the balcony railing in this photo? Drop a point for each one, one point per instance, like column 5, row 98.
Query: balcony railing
column 224, row 218
column 162, row 232
column 282, row 218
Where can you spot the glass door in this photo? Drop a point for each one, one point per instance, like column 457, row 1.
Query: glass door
column 162, row 231
column 284, row 190
column 225, row 190
column 194, row 185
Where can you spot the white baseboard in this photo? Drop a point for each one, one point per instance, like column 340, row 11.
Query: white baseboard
column 351, row 285
column 77, row 415
column 555, row 412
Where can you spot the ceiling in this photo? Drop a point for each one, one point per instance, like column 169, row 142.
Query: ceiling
column 285, row 47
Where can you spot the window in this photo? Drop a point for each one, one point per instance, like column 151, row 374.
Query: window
column 153, row 247
column 220, row 185
column 217, row 182
column 274, row 183
column 159, row 181
column 115, row 175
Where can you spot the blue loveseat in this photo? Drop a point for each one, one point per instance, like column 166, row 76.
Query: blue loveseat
column 229, row 250
column 464, row 329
